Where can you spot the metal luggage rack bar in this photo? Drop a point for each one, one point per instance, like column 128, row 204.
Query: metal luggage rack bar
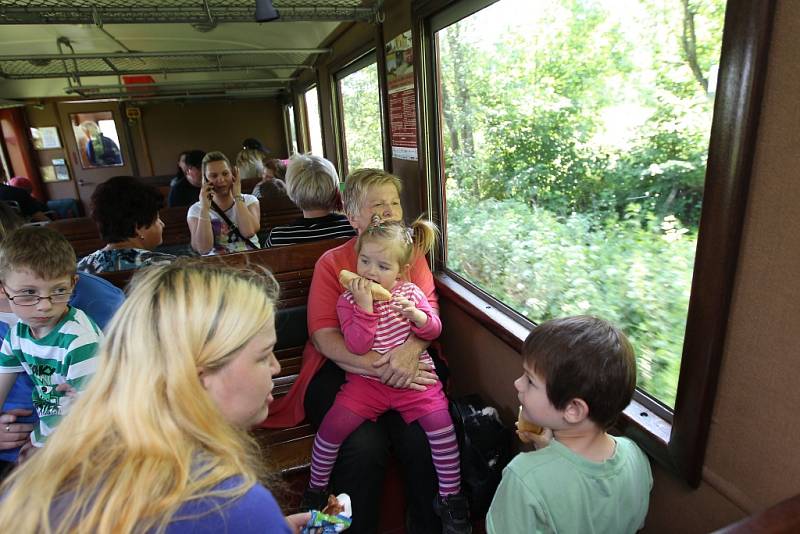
column 176, row 11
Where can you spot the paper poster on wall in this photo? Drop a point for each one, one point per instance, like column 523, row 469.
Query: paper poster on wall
column 61, row 169
column 48, row 173
column 45, row 137
column 402, row 101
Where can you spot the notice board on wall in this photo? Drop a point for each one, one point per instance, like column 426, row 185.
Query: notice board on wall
column 402, row 102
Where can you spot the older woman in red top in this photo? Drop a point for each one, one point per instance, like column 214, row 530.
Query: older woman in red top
column 361, row 464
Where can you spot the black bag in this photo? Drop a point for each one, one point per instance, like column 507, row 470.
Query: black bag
column 485, row 446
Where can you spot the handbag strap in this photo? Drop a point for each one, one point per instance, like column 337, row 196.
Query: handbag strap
column 232, row 225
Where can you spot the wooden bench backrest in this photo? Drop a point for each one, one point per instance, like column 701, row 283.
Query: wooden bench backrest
column 81, row 232
column 84, row 237
column 292, row 266
column 176, row 229
column 277, row 210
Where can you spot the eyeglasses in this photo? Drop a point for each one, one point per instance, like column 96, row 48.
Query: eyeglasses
column 31, row 300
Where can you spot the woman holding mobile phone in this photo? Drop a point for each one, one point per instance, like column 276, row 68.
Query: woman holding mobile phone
column 223, row 220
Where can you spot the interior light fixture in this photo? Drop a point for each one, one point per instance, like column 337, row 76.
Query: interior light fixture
column 265, row 12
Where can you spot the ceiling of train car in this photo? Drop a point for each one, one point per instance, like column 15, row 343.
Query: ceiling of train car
column 153, row 49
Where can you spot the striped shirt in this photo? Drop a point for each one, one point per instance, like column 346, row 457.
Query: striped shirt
column 385, row 329
column 66, row 355
column 310, row 229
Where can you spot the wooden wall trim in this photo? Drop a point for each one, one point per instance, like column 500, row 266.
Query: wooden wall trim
column 781, row 518
column 745, row 44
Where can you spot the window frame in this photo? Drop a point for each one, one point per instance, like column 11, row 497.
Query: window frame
column 362, row 61
column 679, row 442
column 303, row 112
column 289, row 120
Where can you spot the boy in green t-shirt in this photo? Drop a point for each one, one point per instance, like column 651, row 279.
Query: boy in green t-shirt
column 54, row 343
column 579, row 374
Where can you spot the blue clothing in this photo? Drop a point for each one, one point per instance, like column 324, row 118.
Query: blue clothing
column 103, row 153
column 122, row 259
column 255, row 511
column 99, row 299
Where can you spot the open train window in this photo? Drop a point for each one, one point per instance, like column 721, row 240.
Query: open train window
column 290, row 129
column 313, row 122
column 359, row 109
column 569, row 161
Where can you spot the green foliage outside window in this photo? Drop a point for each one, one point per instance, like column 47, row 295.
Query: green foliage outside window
column 575, row 138
column 362, row 118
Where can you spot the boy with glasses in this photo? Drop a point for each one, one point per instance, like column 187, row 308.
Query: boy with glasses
column 54, row 343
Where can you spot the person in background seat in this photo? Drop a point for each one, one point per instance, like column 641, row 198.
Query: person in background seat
column 312, row 183
column 223, row 220
column 17, row 194
column 361, row 464
column 183, row 191
column 126, row 213
column 272, row 179
column 249, row 163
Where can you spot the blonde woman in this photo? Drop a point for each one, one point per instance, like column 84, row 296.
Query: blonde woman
column 158, row 440
column 249, row 163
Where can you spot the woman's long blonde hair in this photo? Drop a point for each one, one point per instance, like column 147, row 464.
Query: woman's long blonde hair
column 145, row 437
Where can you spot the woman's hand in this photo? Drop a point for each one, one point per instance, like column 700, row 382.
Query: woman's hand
column 206, row 192
column 426, row 376
column 403, row 364
column 362, row 293
column 298, row 521
column 13, row 434
column 236, row 183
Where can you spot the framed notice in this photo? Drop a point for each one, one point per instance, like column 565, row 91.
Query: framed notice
column 45, row 137
column 402, row 102
column 61, row 170
column 48, row 173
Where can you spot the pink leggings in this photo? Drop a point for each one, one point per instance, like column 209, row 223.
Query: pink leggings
column 340, row 422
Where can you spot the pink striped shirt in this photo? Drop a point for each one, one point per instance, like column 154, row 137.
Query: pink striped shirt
column 385, row 329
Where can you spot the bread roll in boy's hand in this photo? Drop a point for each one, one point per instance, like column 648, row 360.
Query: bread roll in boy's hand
column 523, row 425
column 378, row 291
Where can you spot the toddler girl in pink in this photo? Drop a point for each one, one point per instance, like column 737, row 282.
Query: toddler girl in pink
column 385, row 251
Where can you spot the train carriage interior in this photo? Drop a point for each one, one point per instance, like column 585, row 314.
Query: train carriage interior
column 633, row 159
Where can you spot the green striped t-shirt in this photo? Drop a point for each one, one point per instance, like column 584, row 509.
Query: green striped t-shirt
column 66, row 355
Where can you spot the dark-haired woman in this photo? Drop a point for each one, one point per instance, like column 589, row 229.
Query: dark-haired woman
column 126, row 213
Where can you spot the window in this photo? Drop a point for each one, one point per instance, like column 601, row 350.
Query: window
column 291, row 131
column 568, row 150
column 313, row 122
column 583, row 138
column 360, row 113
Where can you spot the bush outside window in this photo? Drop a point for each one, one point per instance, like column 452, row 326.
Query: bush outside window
column 361, row 118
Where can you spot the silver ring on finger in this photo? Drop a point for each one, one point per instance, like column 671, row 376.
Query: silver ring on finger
column 8, row 428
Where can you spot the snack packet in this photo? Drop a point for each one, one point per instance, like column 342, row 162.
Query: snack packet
column 335, row 517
